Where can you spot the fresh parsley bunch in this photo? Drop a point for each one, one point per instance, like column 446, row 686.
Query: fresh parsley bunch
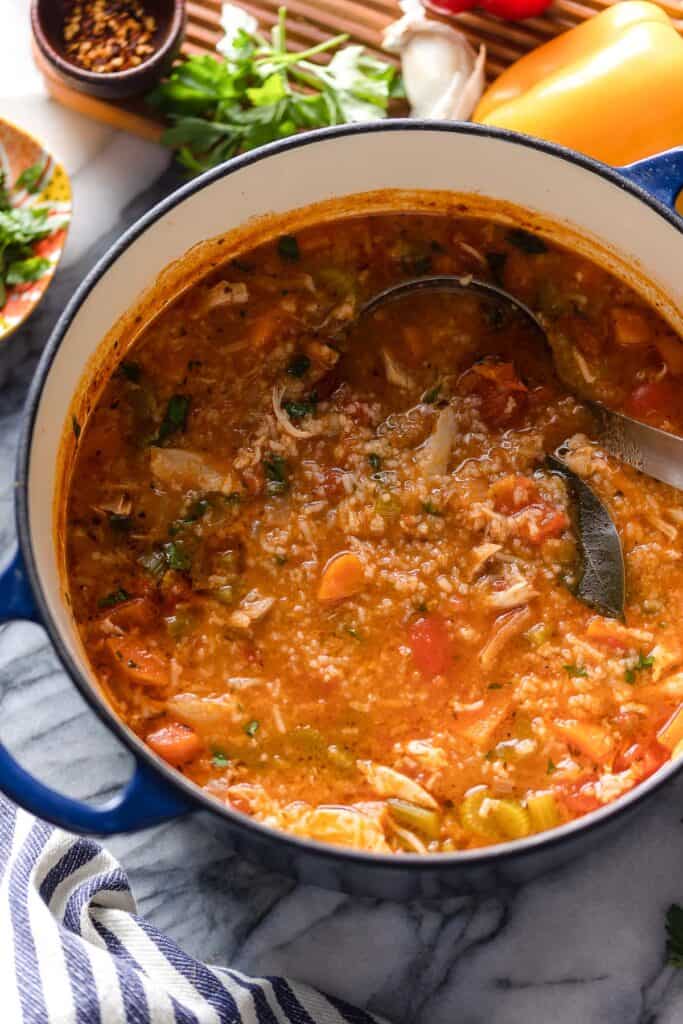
column 262, row 91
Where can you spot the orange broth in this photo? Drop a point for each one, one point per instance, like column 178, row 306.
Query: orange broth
column 318, row 564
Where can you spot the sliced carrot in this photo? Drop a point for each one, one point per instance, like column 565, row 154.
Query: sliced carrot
column 630, row 327
column 176, row 743
column 342, row 577
column 611, row 633
column 672, row 732
column 137, row 662
column 479, row 726
column 592, row 740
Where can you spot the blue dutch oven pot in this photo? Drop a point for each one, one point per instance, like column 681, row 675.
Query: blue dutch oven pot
column 628, row 211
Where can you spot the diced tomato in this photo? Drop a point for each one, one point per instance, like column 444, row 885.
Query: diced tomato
column 541, row 522
column 253, row 480
column 503, row 375
column 580, row 799
column 430, row 645
column 658, row 398
column 513, row 493
column 503, row 395
column 176, row 743
column 333, row 484
column 648, row 758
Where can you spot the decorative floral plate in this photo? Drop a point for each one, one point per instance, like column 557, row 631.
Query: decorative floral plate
column 33, row 184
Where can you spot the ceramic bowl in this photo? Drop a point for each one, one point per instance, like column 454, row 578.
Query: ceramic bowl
column 47, row 20
column 627, row 213
column 48, row 186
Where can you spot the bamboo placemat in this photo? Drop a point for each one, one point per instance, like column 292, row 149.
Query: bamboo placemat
column 311, row 21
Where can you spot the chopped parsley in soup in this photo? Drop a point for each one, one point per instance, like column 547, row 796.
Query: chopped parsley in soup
column 318, row 563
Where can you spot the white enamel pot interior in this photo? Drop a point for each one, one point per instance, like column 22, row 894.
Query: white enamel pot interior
column 317, row 167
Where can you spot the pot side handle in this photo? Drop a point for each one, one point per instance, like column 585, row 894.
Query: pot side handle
column 145, row 800
column 661, row 175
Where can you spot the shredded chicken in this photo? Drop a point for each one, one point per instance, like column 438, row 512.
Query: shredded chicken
column 283, row 419
column 184, row 470
column 436, row 451
column 518, row 593
column 504, row 629
column 121, row 506
column 388, row 782
column 252, row 609
column 224, row 293
column 395, row 372
column 481, row 554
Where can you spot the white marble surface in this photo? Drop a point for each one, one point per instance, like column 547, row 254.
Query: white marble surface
column 582, row 946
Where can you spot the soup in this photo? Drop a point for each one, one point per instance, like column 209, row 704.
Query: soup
column 319, row 565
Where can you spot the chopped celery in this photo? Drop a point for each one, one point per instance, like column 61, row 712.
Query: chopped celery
column 415, row 818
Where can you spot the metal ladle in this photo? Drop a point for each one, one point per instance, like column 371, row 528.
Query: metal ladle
column 646, row 448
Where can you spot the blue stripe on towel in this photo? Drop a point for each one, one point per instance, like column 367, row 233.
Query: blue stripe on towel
column 204, row 980
column 26, row 965
column 132, row 992
column 78, row 854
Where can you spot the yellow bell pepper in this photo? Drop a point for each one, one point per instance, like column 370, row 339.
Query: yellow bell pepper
column 612, row 87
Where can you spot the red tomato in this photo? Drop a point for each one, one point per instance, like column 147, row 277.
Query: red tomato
column 580, row 800
column 430, row 645
column 541, row 522
column 513, row 493
column 512, row 10
column 647, row 757
column 657, row 397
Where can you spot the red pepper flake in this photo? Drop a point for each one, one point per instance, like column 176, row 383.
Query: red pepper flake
column 108, row 35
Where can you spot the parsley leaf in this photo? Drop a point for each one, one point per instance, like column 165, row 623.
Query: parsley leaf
column 31, row 269
column 552, row 767
column 575, row 671
column 674, row 936
column 297, row 410
column 288, row 248
column 30, row 177
column 251, row 728
column 219, row 759
column 644, row 662
column 299, row 366
column 176, row 556
column 175, row 418
column 431, row 396
column 276, row 473
column 525, row 241
column 430, row 509
column 116, row 597
column 260, row 91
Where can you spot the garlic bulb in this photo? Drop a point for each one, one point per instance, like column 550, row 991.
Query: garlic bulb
column 442, row 75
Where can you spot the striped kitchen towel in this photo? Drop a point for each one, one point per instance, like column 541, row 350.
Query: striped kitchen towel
column 73, row 950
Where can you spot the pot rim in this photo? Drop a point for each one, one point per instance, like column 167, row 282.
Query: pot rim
column 483, row 856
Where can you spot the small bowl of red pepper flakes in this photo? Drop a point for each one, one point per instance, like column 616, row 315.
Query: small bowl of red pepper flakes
column 112, row 49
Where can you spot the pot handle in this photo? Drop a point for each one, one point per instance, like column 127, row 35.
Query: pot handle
column 145, row 800
column 661, row 175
